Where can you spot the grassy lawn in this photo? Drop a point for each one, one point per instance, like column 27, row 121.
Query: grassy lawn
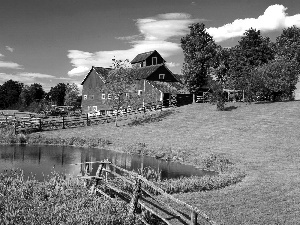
column 262, row 139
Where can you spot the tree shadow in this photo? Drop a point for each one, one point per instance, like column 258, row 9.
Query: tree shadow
column 230, row 108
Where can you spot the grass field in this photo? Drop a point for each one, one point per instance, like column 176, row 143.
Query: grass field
column 262, row 139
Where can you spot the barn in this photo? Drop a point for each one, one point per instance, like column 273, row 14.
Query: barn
column 151, row 76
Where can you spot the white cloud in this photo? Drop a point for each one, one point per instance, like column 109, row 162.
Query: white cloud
column 78, row 71
column 274, row 18
column 35, row 75
column 155, row 34
column 28, row 78
column 1, row 55
column 10, row 65
column 9, row 48
column 172, row 64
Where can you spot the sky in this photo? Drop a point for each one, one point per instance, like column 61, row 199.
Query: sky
column 58, row 41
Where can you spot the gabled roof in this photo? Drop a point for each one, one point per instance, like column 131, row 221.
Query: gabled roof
column 144, row 72
column 143, row 56
column 102, row 72
column 168, row 87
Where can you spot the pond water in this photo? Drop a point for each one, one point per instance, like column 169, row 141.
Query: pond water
column 40, row 161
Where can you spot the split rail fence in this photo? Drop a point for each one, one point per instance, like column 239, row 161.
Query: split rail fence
column 142, row 195
column 32, row 124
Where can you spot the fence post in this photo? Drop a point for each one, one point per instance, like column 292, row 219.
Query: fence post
column 63, row 123
column 135, row 197
column 40, row 125
column 193, row 218
column 87, row 119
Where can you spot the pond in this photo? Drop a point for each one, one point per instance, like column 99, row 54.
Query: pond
column 40, row 161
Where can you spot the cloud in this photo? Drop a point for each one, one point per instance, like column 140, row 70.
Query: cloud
column 172, row 64
column 274, row 18
column 78, row 71
column 35, row 75
column 9, row 48
column 1, row 55
column 10, row 65
column 155, row 34
column 26, row 78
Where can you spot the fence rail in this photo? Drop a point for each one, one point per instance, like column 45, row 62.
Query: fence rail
column 32, row 124
column 111, row 180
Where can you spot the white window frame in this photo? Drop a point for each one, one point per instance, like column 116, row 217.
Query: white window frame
column 103, row 96
column 140, row 92
column 108, row 96
column 161, row 76
column 153, row 60
column 84, row 97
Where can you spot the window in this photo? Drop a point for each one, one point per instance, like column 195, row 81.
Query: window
column 94, row 108
column 154, row 60
column 103, row 96
column 92, row 97
column 85, row 97
column 109, row 96
column 161, row 76
column 127, row 95
column 140, row 92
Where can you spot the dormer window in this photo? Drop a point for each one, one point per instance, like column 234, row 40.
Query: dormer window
column 154, row 60
column 161, row 76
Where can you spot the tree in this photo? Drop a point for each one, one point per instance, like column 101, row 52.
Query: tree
column 288, row 44
column 121, row 87
column 199, row 51
column 219, row 75
column 71, row 95
column 252, row 51
column 9, row 93
column 30, row 94
column 57, row 94
column 279, row 78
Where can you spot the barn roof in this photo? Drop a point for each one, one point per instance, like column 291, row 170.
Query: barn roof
column 102, row 72
column 168, row 87
column 144, row 72
column 143, row 56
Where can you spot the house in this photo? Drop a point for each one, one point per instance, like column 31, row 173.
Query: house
column 151, row 76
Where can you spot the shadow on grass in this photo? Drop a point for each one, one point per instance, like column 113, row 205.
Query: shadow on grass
column 230, row 108
column 151, row 118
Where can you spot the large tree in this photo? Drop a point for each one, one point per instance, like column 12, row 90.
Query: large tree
column 9, row 93
column 121, row 87
column 288, row 44
column 278, row 78
column 252, row 51
column 71, row 95
column 57, row 94
column 199, row 51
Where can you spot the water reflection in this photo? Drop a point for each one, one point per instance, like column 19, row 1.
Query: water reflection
column 41, row 160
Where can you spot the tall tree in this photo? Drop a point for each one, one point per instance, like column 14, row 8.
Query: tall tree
column 57, row 94
column 121, row 87
column 288, row 44
column 199, row 50
column 252, row 51
column 9, row 93
column 219, row 77
column 72, row 93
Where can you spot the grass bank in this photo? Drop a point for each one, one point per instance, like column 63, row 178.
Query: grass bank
column 261, row 139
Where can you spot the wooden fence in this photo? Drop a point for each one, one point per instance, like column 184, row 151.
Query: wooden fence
column 142, row 195
column 32, row 124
